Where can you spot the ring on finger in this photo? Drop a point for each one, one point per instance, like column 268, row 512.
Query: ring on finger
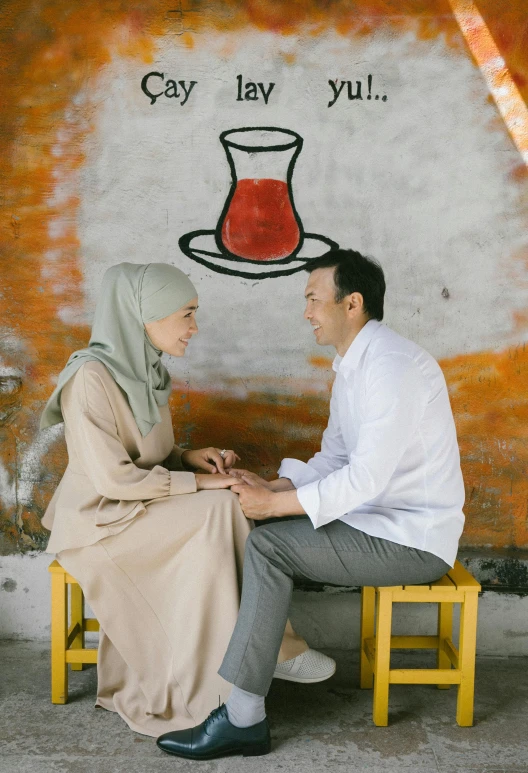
column 223, row 453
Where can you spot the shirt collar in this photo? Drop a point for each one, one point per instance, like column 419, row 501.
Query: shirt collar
column 353, row 354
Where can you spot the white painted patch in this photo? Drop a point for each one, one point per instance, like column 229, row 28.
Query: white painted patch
column 6, row 371
column 11, row 343
column 29, row 472
column 7, row 488
column 71, row 315
column 64, row 189
column 21, row 492
column 332, row 620
column 25, row 606
column 57, row 227
column 420, row 182
column 53, row 255
column 329, row 619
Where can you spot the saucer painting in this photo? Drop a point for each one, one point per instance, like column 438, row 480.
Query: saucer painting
column 201, row 247
column 259, row 233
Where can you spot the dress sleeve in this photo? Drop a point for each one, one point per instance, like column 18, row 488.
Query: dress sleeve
column 103, row 456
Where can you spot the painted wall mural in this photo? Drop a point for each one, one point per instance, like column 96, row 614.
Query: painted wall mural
column 238, row 139
column 259, row 233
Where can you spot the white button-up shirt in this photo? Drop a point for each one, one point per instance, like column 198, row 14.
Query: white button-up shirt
column 389, row 463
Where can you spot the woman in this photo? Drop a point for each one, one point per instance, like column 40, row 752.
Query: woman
column 156, row 547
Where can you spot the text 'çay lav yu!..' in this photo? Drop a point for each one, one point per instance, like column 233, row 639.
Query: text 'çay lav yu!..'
column 154, row 85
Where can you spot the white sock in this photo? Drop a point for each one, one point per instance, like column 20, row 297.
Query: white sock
column 245, row 708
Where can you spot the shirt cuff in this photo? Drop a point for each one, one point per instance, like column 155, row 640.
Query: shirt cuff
column 308, row 496
column 182, row 483
column 298, row 472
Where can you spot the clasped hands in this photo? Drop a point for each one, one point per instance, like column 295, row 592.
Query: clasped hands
column 257, row 499
column 255, row 494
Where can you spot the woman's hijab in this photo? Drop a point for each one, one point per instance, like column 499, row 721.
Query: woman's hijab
column 131, row 295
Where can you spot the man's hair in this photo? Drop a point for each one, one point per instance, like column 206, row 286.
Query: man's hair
column 355, row 273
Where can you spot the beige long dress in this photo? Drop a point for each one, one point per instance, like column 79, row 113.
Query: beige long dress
column 159, row 563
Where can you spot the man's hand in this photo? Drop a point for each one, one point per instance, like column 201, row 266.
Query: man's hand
column 250, row 478
column 279, row 484
column 255, row 500
column 210, row 460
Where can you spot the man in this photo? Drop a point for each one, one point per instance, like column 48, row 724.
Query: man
column 383, row 497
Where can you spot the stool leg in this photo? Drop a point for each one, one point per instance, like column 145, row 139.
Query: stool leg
column 77, row 616
column 445, row 631
column 382, row 658
column 467, row 653
column 368, row 611
column 59, row 635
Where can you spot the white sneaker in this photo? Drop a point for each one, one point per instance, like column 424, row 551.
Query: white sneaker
column 309, row 667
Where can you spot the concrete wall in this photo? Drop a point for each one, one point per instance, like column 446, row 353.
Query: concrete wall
column 427, row 175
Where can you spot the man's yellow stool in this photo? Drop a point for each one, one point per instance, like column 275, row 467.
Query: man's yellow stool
column 67, row 637
column 454, row 666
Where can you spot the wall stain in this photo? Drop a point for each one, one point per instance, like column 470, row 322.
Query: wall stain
column 512, row 573
column 9, row 585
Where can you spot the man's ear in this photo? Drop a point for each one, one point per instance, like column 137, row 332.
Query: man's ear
column 354, row 304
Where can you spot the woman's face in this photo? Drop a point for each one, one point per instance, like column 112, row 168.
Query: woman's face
column 172, row 334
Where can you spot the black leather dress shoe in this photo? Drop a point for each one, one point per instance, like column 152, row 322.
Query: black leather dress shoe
column 217, row 737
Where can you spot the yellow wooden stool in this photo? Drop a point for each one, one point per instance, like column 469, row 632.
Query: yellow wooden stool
column 454, row 666
column 67, row 640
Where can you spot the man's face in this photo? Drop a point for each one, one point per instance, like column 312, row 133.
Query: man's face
column 330, row 320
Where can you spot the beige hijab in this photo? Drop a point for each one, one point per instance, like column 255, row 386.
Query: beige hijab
column 131, row 295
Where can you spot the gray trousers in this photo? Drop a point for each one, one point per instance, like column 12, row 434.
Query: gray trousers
column 277, row 554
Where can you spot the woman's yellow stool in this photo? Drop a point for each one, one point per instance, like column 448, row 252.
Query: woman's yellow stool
column 454, row 666
column 67, row 637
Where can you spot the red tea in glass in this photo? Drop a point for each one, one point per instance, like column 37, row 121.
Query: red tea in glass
column 259, row 221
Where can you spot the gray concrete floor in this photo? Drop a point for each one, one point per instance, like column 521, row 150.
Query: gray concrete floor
column 318, row 727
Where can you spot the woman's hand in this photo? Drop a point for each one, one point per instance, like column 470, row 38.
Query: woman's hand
column 210, row 460
column 251, row 478
column 208, row 482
